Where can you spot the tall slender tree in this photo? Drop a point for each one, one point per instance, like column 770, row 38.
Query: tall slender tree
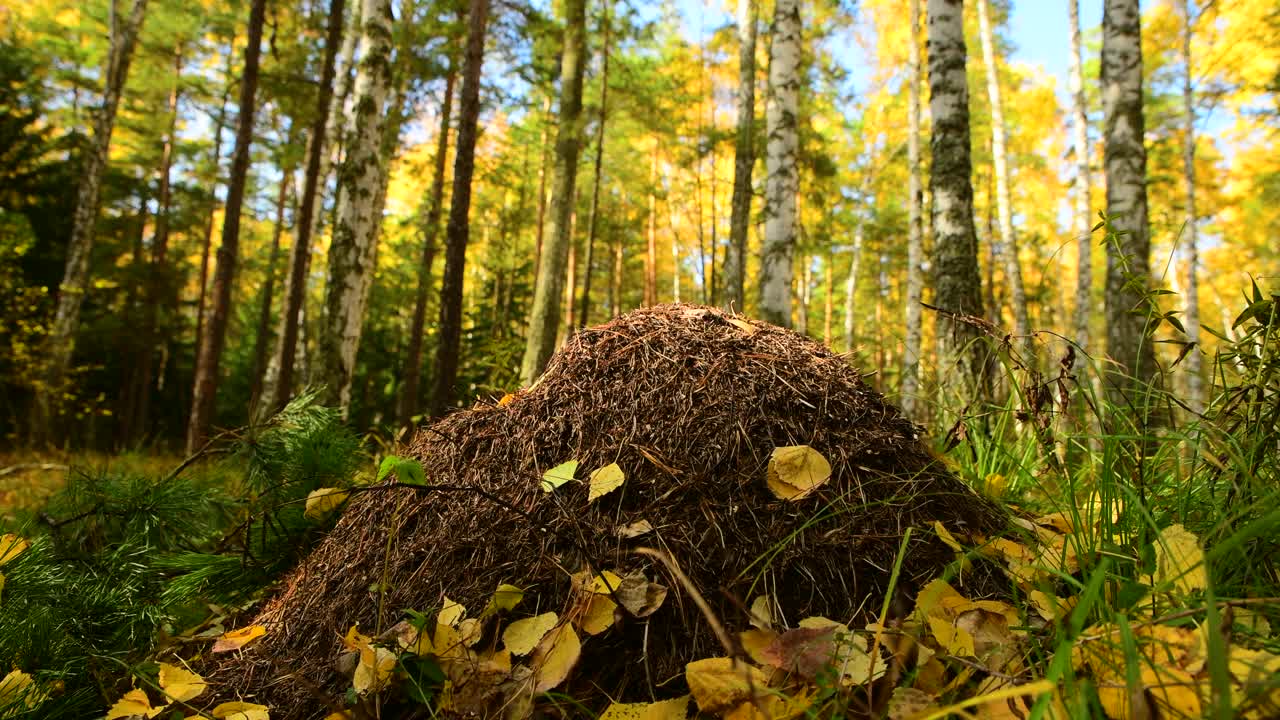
column 457, row 231
column 957, row 283
column 743, row 160
column 123, row 37
column 1125, row 163
column 783, row 184
column 215, row 162
column 210, row 352
column 1191, row 235
column 544, row 319
column 262, row 337
column 354, row 245
column 1081, row 220
column 915, row 239
column 597, row 173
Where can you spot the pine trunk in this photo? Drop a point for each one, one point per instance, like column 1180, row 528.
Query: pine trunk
column 915, row 234
column 457, row 231
column 353, row 248
column 1082, row 220
column 957, row 285
column 735, row 261
column 207, row 244
column 783, row 181
column 544, row 319
column 593, row 218
column 1195, row 382
column 210, row 354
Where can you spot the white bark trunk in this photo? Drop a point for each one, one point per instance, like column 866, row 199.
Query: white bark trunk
column 915, row 243
column 1083, row 182
column 851, row 287
column 783, row 181
column 1195, row 383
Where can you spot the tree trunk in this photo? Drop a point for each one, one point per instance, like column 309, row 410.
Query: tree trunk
column 735, row 261
column 651, row 234
column 542, row 189
column 1005, row 244
column 263, row 334
column 915, row 235
column 851, row 287
column 457, row 231
column 957, row 285
column 544, row 319
column 1125, row 163
column 1083, row 185
column 781, row 155
column 206, row 380
column 1195, row 382
column 279, row 384
column 207, row 244
column 430, row 232
column 353, row 248
column 595, row 185
column 828, row 301
column 75, row 279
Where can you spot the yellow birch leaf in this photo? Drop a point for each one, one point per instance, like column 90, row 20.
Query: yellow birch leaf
column 1180, row 561
column 180, row 684
column 675, row 709
column 135, row 703
column 954, row 640
column 555, row 657
column 323, row 501
column 522, row 636
column 447, row 643
column 796, row 471
column 1255, row 673
column 11, row 546
column 451, row 613
column 605, row 480
column 506, row 399
column 241, row 711
column 1058, row 521
column 1, row 586
column 18, row 692
column 756, row 642
column 633, row 530
column 374, row 671
column 606, row 583
column 598, row 616
column 640, row 597
column 910, row 703
column 762, row 612
column 559, row 475
column 504, row 599
column 236, row 639
column 718, row 684
column 340, row 715
column 469, row 631
column 355, row 640
column 945, row 536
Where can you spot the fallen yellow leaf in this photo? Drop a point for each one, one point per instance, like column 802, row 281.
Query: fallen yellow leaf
column 504, row 599
column 373, row 673
column 559, row 475
column 18, row 692
column 1180, row 561
column 762, row 612
column 451, row 613
column 180, row 684
column 634, row 530
column 11, row 546
column 796, row 471
column 135, row 703
column 241, row 711
column 718, row 684
column 323, row 501
column 522, row 636
column 675, row 709
column 236, row 639
column 598, row 615
column 555, row 657
column 605, row 480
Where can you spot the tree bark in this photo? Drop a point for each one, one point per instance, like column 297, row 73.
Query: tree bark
column 262, row 338
column 915, row 235
column 1083, row 181
column 457, row 231
column 75, row 280
column 430, row 232
column 544, row 319
column 353, row 248
column 207, row 244
column 651, row 234
column 957, row 284
column 592, row 218
column 206, row 380
column 279, row 384
column 851, row 287
column 743, row 161
column 783, row 182
column 1125, row 162
column 1195, row 381
column 1005, row 243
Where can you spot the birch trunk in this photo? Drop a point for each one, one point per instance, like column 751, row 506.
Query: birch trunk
column 783, row 181
column 1083, row 181
column 457, row 232
column 851, row 287
column 593, row 217
column 915, row 239
column 210, row 354
column 75, row 279
column 1005, row 243
column 544, row 318
column 1195, row 382
column 1125, row 161
column 735, row 261
column 353, row 249
column 263, row 335
column 958, row 286
column 651, row 235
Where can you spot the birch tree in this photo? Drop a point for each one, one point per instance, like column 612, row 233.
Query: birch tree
column 544, row 318
column 957, row 283
column 783, row 181
column 1081, row 217
column 358, row 223
column 1195, row 383
column 593, row 216
column 744, row 160
column 123, row 34
column 1004, row 242
column 915, row 240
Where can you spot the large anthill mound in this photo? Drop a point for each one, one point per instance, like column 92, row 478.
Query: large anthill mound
column 690, row 403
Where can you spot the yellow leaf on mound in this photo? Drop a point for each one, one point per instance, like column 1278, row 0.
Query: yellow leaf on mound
column 796, row 471
column 606, row 583
column 945, row 536
column 505, row 599
column 135, row 703
column 451, row 613
column 953, row 640
column 718, row 684
column 18, row 692
column 374, row 671
column 236, row 639
column 559, row 475
column 605, row 480
column 355, row 640
column 180, row 684
column 598, row 616
column 522, row 636
column 11, row 546
column 555, row 657
column 241, row 711
column 675, row 709
column 323, row 501
column 762, row 612
column 633, row 530
column 1180, row 561
column 640, row 597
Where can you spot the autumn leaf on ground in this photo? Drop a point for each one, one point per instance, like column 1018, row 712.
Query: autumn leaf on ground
column 373, row 673
column 640, row 597
column 762, row 612
column 522, row 636
column 634, row 530
column 559, row 475
column 555, row 657
column 355, row 640
column 241, row 711
column 505, row 599
column 451, row 613
column 598, row 615
column 756, row 643
column 1180, row 561
column 909, row 704
column 675, row 709
column 605, row 480
column 11, row 546
column 323, row 501
column 134, row 703
column 606, row 583
column 18, row 692
column 718, row 684
column 796, row 471
column 236, row 639
column 180, row 684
